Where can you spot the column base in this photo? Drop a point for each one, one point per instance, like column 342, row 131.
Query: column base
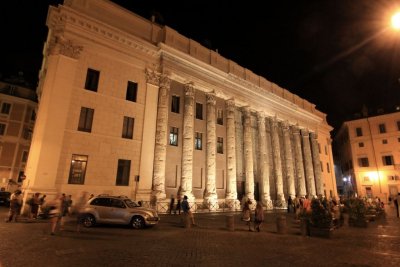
column 232, row 204
column 268, row 204
column 211, row 202
column 280, row 203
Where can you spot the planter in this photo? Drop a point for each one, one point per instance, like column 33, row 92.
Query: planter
column 321, row 232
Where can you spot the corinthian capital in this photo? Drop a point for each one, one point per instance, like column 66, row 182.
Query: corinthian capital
column 165, row 81
column 230, row 105
column 152, row 77
column 304, row 133
column 211, row 99
column 189, row 89
column 314, row 136
column 65, row 47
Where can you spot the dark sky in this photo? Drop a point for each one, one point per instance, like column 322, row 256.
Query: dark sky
column 337, row 54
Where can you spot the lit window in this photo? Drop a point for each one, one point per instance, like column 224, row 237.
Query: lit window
column 173, row 136
column 78, row 169
column 198, row 143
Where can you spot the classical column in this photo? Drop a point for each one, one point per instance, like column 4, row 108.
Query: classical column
column 248, row 155
column 308, row 164
column 231, row 193
column 319, row 186
column 210, row 195
column 298, row 154
column 289, row 159
column 161, row 139
column 264, row 165
column 276, row 156
column 188, row 143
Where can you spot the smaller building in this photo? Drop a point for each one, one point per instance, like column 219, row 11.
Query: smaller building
column 368, row 154
column 18, row 105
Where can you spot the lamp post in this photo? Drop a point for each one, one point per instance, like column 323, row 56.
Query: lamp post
column 396, row 21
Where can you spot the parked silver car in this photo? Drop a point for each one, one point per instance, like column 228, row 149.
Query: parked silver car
column 117, row 210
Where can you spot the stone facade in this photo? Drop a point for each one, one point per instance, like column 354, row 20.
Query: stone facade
column 204, row 126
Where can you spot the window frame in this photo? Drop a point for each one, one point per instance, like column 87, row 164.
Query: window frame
column 220, row 116
column 131, row 91
column 84, row 119
column 198, row 141
column 175, row 103
column 220, row 145
column 199, row 111
column 359, row 131
column 81, row 160
column 382, row 128
column 5, row 111
column 123, row 172
column 174, row 136
column 128, row 127
column 92, row 80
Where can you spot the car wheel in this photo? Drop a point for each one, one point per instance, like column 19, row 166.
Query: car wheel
column 89, row 220
column 137, row 222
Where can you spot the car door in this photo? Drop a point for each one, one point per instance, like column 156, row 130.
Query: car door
column 102, row 209
column 119, row 212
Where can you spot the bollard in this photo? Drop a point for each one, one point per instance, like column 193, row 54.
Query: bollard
column 230, row 223
column 281, row 224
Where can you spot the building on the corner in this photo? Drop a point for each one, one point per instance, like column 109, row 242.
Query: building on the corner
column 18, row 105
column 368, row 153
column 133, row 108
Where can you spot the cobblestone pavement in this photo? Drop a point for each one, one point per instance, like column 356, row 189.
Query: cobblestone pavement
column 208, row 244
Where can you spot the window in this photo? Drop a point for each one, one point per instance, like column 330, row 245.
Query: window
column 322, row 166
column 86, row 119
column 387, row 160
column 92, row 80
column 220, row 117
column 326, row 150
column 24, row 156
column 398, row 125
column 328, row 169
column 393, row 178
column 5, row 108
column 124, row 168
column 175, row 104
column 2, row 128
column 398, row 139
column 127, row 129
column 319, row 148
column 131, row 91
column 33, row 115
column 100, row 201
column 363, row 162
column 359, row 131
column 27, row 134
column 199, row 111
column 198, row 144
column 220, row 145
column 78, row 169
column 361, row 144
column 173, row 136
column 382, row 128
column 384, row 141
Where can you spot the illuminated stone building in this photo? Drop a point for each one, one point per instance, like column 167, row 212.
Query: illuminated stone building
column 18, row 106
column 134, row 108
column 368, row 151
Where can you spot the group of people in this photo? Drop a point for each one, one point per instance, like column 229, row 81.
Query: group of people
column 184, row 206
column 258, row 215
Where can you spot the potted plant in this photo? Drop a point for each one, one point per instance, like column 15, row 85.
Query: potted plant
column 321, row 220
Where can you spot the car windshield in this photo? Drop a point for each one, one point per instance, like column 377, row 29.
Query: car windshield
column 131, row 204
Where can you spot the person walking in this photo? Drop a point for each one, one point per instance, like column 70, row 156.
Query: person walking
column 258, row 217
column 289, row 204
column 55, row 212
column 34, row 203
column 178, row 204
column 186, row 210
column 15, row 206
column 172, row 204
column 246, row 213
column 80, row 216
column 397, row 204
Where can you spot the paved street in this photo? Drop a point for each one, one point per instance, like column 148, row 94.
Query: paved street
column 208, row 244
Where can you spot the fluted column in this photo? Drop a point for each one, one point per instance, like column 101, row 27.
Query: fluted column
column 248, row 155
column 210, row 196
column 298, row 154
column 264, row 165
column 308, row 164
column 187, row 144
column 289, row 160
column 280, row 197
column 319, row 186
column 231, row 192
column 161, row 139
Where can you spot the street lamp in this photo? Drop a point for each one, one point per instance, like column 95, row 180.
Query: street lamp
column 396, row 21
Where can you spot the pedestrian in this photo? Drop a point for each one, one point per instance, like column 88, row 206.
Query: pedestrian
column 258, row 217
column 55, row 212
column 34, row 202
column 186, row 210
column 15, row 206
column 397, row 204
column 172, row 204
column 289, row 204
column 178, row 204
column 246, row 214
column 64, row 210
column 80, row 215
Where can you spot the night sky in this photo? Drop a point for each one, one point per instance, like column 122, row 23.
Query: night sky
column 337, row 54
